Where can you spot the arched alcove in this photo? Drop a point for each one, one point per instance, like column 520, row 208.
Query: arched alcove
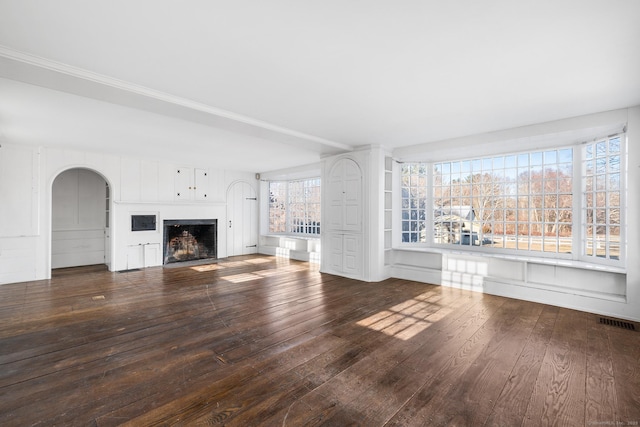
column 80, row 219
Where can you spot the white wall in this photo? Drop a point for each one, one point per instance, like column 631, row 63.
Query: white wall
column 602, row 290
column 137, row 186
column 19, row 212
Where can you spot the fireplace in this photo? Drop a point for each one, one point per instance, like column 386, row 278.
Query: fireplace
column 190, row 239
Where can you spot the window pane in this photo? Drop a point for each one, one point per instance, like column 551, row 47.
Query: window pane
column 522, row 202
column 304, row 203
column 602, row 199
column 493, row 206
column 614, row 182
column 294, row 206
column 614, row 145
column 414, row 193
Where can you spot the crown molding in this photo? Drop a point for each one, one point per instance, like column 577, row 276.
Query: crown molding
column 100, row 79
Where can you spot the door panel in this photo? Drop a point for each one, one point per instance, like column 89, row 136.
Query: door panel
column 335, row 251
column 344, row 222
column 242, row 219
column 352, row 254
column 345, row 196
column 201, row 179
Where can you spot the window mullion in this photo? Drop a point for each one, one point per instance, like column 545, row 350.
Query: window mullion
column 579, row 223
column 623, row 197
column 429, row 205
column 287, row 211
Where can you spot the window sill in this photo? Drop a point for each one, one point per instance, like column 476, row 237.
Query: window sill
column 520, row 258
column 293, row 236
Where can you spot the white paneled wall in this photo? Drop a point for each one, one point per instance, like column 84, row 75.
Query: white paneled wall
column 19, row 181
column 34, row 236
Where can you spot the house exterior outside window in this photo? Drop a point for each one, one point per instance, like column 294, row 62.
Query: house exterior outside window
column 564, row 202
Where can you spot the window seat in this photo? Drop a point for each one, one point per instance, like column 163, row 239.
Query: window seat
column 301, row 248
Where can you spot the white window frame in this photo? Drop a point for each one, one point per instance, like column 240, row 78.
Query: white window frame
column 291, row 216
column 577, row 208
column 607, row 220
column 281, row 211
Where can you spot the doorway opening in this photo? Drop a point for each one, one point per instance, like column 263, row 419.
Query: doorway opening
column 80, row 219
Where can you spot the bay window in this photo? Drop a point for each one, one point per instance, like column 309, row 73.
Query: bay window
column 564, row 202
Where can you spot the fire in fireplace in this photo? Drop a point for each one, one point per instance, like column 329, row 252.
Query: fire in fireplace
column 190, row 239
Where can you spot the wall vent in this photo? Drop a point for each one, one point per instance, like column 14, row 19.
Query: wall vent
column 618, row 323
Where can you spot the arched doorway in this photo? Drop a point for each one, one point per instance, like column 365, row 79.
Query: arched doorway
column 80, row 205
column 242, row 219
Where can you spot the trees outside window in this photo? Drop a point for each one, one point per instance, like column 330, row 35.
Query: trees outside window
column 602, row 199
column 523, row 202
column 294, row 206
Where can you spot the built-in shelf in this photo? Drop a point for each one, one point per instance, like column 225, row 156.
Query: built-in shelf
column 388, row 199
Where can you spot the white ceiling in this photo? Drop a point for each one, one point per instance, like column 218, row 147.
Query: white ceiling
column 268, row 84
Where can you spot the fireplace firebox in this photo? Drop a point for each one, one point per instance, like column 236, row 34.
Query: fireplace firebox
column 190, row 239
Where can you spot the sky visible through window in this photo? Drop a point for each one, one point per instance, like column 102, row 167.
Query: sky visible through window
column 522, row 202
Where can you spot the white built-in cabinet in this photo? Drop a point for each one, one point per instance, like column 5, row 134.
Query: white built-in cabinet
column 343, row 222
column 345, row 253
column 143, row 255
column 345, row 196
column 191, row 184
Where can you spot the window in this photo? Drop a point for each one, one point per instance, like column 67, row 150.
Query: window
column 602, row 193
column 277, row 207
column 294, row 206
column 523, row 202
column 414, row 202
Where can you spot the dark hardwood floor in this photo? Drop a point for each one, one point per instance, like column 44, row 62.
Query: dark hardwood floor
column 260, row 340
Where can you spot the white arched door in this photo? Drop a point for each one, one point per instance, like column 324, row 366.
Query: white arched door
column 242, row 219
column 342, row 237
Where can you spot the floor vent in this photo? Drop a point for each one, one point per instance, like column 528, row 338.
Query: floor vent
column 129, row 271
column 618, row 323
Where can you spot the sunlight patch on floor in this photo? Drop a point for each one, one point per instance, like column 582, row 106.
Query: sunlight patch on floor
column 259, row 260
column 240, row 278
column 407, row 319
column 269, row 273
column 207, row 267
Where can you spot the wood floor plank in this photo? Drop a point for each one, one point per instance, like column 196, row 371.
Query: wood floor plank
column 559, row 394
column 474, row 393
column 337, row 397
column 601, row 399
column 451, row 361
column 511, row 406
column 395, row 385
column 625, row 358
column 235, row 393
column 262, row 340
